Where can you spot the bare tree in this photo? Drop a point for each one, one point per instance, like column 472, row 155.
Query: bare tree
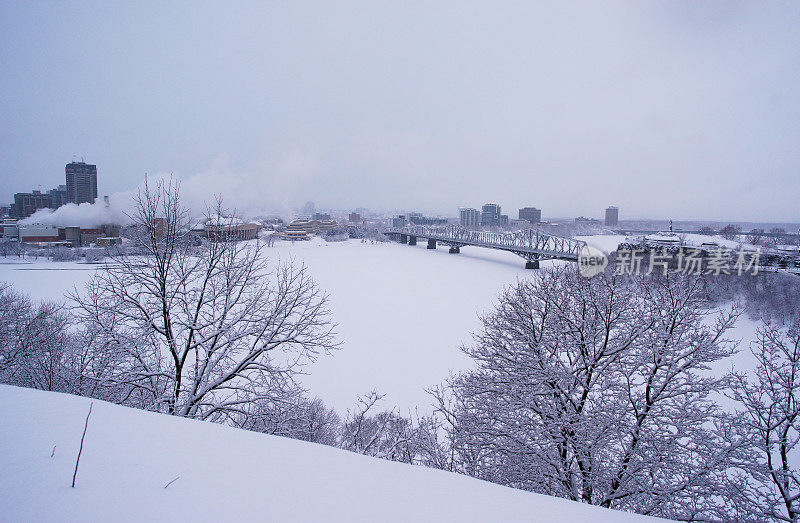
column 776, row 231
column 730, row 232
column 201, row 331
column 593, row 390
column 294, row 416
column 755, row 237
column 35, row 343
column 771, row 403
column 389, row 435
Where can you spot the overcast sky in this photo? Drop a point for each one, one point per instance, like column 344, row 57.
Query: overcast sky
column 685, row 110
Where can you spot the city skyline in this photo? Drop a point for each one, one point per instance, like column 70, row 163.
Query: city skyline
column 676, row 110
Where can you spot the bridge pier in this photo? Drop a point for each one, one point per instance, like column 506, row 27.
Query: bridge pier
column 412, row 240
column 403, row 238
column 454, row 250
column 431, row 244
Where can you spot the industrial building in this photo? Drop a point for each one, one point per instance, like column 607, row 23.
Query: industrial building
column 72, row 236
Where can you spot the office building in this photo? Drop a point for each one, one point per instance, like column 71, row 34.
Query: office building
column 530, row 214
column 612, row 216
column 27, row 203
column 81, row 182
column 417, row 218
column 59, row 196
column 469, row 217
column 490, row 215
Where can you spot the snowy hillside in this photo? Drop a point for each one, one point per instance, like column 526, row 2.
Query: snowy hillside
column 224, row 474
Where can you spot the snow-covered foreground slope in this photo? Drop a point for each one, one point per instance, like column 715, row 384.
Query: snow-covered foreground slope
column 224, row 474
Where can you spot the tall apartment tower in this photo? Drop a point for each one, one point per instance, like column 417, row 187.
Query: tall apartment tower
column 81, row 182
column 468, row 216
column 612, row 216
column 531, row 214
column 490, row 214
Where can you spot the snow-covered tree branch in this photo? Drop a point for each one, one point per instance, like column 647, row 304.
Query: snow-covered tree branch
column 201, row 331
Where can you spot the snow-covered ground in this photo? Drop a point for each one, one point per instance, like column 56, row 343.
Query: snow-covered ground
column 402, row 311
column 224, row 474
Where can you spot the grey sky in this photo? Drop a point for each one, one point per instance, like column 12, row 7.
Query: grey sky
column 669, row 110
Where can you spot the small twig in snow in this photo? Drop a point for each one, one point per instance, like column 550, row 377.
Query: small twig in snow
column 173, row 481
column 54, row 451
column 78, row 460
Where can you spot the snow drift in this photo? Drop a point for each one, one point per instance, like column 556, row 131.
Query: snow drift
column 129, row 456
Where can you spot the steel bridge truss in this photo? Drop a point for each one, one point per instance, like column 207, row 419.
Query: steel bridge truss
column 529, row 244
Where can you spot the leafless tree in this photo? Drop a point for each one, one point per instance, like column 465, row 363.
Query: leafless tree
column 34, row 342
column 771, row 411
column 389, row 435
column 200, row 331
column 730, row 232
column 755, row 237
column 776, row 231
column 593, row 390
column 294, row 416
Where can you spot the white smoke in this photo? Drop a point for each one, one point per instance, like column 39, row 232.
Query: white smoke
column 272, row 189
column 86, row 215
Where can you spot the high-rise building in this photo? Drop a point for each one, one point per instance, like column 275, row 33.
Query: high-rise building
column 490, row 215
column 354, row 217
column 81, row 182
column 468, row 216
column 531, row 214
column 309, row 208
column 612, row 216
